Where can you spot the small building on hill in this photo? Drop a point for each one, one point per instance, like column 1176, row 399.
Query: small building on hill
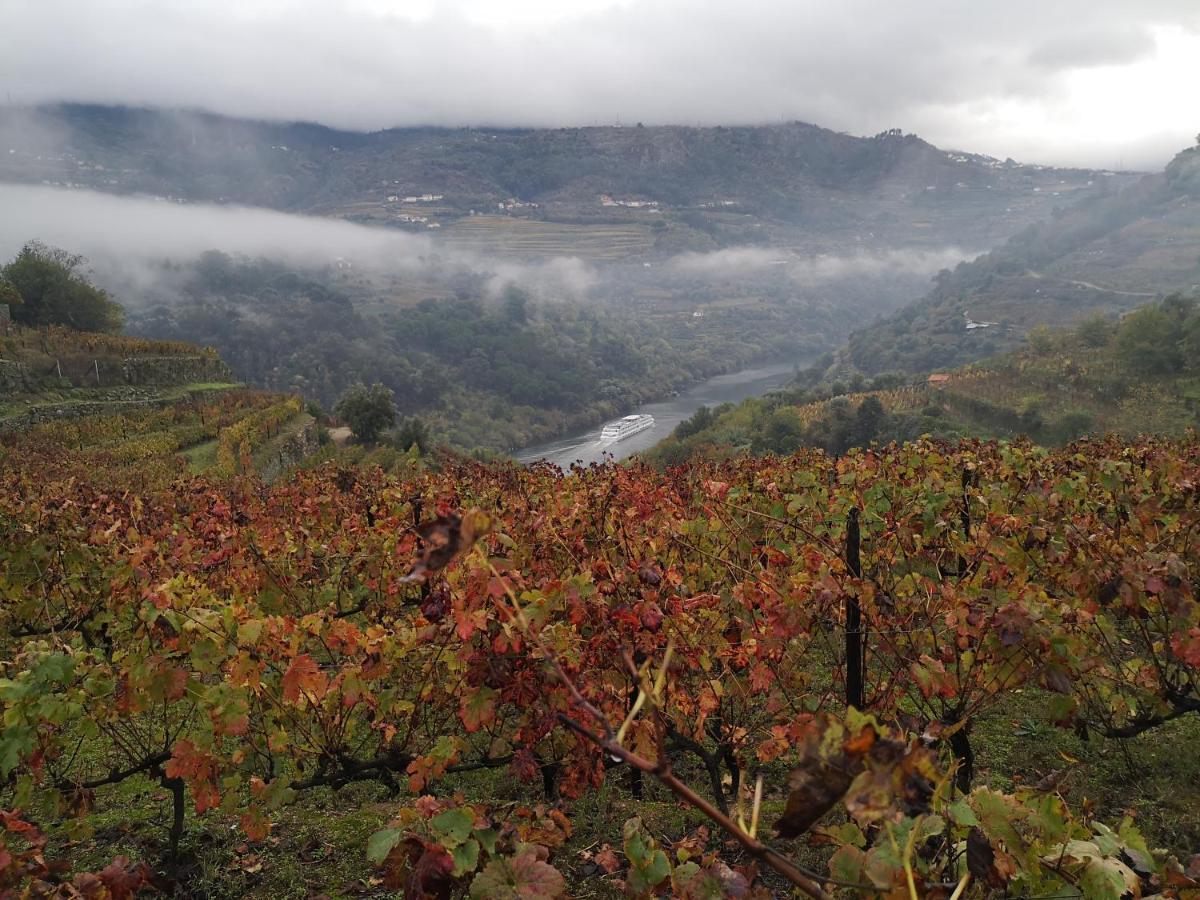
column 939, row 380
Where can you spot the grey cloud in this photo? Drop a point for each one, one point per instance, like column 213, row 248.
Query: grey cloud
column 1094, row 47
column 940, row 67
column 100, row 225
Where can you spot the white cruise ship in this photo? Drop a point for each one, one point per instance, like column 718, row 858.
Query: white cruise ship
column 623, row 428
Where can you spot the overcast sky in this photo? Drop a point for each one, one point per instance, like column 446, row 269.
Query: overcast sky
column 1091, row 82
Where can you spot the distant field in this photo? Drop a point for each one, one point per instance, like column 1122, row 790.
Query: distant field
column 525, row 237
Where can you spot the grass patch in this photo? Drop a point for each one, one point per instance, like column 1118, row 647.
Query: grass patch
column 200, row 457
column 317, row 845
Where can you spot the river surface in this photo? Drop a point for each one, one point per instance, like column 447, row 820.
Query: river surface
column 586, row 447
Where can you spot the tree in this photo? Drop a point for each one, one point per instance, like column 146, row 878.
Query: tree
column 413, row 433
column 9, row 295
column 53, row 291
column 368, row 411
column 1148, row 341
column 516, row 305
column 868, row 418
column 1041, row 338
column 700, row 420
column 1096, row 331
column 781, row 433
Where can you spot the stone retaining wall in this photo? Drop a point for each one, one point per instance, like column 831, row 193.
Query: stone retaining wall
column 49, row 412
column 287, row 451
column 175, row 370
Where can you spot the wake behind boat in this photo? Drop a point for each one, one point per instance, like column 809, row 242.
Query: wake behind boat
column 626, row 427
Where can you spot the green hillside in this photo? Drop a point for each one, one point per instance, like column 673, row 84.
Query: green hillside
column 492, row 372
column 1107, row 254
column 1135, row 375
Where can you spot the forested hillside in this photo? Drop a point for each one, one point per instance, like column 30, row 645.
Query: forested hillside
column 511, row 682
column 1107, row 254
column 486, row 373
column 1135, row 375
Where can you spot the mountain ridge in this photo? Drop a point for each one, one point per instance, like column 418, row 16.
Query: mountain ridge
column 800, row 183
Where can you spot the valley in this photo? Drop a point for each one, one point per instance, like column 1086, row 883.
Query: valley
column 701, row 251
column 896, row 598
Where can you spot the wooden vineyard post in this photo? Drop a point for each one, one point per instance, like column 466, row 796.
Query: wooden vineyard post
column 855, row 692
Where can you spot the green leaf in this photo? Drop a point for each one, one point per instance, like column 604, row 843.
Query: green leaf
column 14, row 743
column 1107, row 879
column 997, row 813
column 55, row 668
column 928, row 826
column 846, row 833
column 454, row 826
column 653, row 873
column 648, row 865
column 466, row 857
column 961, row 814
column 487, row 838
column 380, row 844
column 23, row 794
column 847, row 863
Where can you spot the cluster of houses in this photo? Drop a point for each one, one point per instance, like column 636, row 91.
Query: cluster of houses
column 714, row 204
column 423, row 198
column 972, row 325
column 512, row 203
column 409, row 219
column 606, row 200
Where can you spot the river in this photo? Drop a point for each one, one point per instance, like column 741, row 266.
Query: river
column 586, row 447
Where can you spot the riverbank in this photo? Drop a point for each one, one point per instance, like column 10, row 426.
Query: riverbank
column 585, row 447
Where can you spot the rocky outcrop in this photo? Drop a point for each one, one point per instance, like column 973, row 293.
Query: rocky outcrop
column 14, row 377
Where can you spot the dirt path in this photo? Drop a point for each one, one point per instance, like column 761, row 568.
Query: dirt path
column 340, row 435
column 1094, row 287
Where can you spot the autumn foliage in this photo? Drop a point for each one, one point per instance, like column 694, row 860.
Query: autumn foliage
column 240, row 644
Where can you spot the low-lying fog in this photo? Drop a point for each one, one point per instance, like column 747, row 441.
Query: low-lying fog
column 127, row 241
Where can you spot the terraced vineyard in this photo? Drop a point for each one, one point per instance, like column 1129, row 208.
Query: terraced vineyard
column 509, row 236
column 157, row 439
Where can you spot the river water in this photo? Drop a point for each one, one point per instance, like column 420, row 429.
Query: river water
column 586, row 447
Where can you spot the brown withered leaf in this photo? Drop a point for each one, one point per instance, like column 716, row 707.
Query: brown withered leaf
column 421, row 869
column 897, row 781
column 876, row 776
column 1052, row 782
column 988, row 866
column 443, row 539
column 125, row 879
column 825, row 773
column 812, row 792
column 607, row 860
